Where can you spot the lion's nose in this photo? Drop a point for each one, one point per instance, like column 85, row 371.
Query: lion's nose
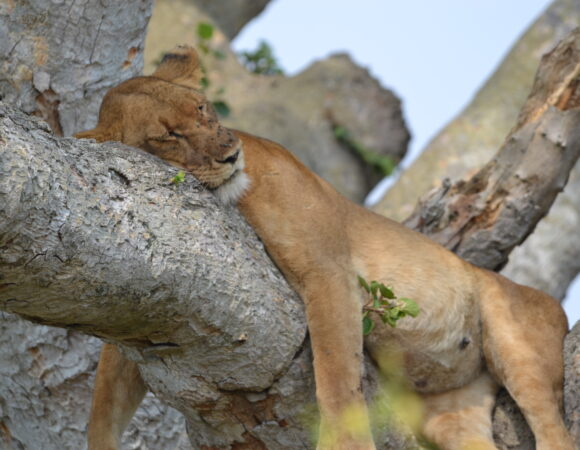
column 230, row 159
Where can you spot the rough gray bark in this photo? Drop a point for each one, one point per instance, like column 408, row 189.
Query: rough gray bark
column 59, row 57
column 572, row 384
column 549, row 259
column 47, row 376
column 481, row 219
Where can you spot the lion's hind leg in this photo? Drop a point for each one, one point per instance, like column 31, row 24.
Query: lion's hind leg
column 460, row 419
column 523, row 334
column 118, row 392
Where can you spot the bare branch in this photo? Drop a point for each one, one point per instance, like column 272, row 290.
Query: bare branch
column 482, row 219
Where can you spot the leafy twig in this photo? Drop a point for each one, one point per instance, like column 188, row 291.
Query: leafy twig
column 383, row 302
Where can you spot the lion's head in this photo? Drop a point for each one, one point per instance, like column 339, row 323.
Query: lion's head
column 165, row 114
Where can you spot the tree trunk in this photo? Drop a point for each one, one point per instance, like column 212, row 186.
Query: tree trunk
column 184, row 285
column 481, row 218
column 57, row 60
column 96, row 238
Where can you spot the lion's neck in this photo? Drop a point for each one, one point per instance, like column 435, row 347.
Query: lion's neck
column 279, row 185
column 291, row 209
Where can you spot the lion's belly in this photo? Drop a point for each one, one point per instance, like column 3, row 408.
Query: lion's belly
column 440, row 349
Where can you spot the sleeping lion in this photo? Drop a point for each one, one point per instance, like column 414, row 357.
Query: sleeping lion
column 476, row 331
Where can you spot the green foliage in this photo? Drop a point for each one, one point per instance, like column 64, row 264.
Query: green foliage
column 179, row 178
column 261, row 61
column 368, row 325
column 382, row 164
column 383, row 302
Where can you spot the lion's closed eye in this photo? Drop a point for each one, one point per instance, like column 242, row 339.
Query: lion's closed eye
column 170, row 136
column 176, row 135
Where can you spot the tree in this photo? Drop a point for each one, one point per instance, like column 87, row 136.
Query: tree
column 73, row 256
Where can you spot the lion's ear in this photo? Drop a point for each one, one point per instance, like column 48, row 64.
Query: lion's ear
column 98, row 134
column 181, row 66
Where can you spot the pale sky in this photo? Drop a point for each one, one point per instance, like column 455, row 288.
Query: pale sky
column 433, row 54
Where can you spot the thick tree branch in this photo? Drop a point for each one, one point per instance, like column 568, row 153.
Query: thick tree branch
column 555, row 242
column 97, row 238
column 484, row 218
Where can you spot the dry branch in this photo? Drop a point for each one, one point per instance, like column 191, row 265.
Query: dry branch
column 484, row 218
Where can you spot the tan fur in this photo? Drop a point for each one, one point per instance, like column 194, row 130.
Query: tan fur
column 118, row 392
column 476, row 329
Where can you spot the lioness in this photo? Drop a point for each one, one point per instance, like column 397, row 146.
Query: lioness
column 476, row 331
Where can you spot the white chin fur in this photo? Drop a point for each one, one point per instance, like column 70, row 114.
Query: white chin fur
column 232, row 190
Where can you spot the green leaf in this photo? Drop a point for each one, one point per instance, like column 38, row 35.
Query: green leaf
column 179, row 178
column 362, row 282
column 374, row 288
column 204, row 30
column 222, row 108
column 368, row 325
column 410, row 307
column 386, row 292
column 386, row 318
column 395, row 313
